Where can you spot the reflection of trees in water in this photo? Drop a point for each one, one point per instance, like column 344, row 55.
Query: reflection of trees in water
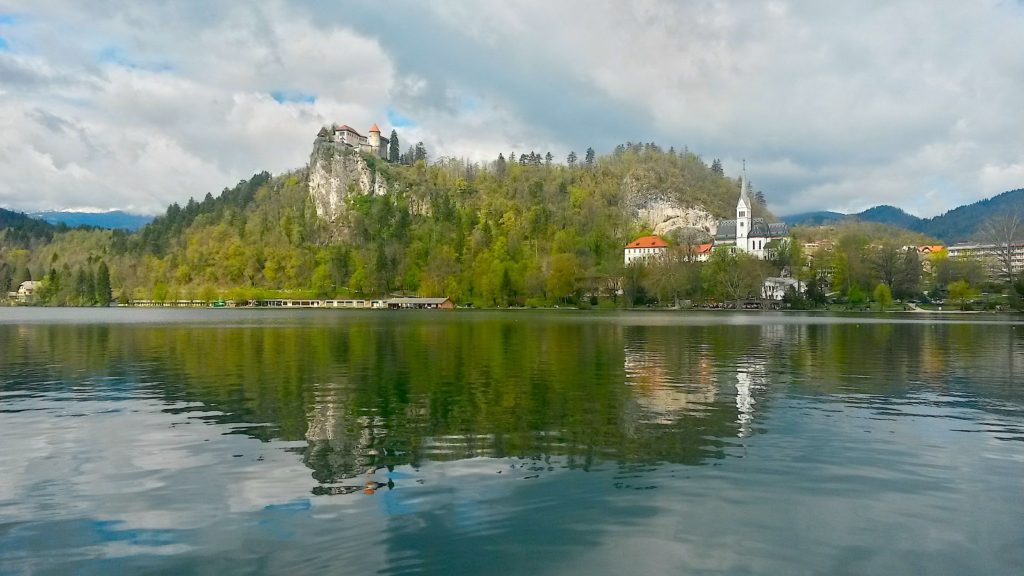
column 386, row 391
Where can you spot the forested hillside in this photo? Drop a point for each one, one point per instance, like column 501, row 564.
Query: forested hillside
column 517, row 229
column 960, row 224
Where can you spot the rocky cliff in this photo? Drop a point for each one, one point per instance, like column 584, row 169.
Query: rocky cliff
column 658, row 205
column 336, row 173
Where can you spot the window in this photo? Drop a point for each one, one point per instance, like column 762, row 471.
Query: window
column 742, row 213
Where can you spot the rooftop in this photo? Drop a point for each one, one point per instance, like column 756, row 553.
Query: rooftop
column 648, row 242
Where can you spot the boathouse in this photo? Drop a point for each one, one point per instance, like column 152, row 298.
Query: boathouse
column 421, row 303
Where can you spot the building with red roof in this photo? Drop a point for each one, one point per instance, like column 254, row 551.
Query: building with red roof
column 349, row 136
column 645, row 248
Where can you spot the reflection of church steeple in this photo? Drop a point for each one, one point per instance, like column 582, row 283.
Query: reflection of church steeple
column 747, row 383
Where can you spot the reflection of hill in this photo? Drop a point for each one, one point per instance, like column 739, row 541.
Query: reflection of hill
column 383, row 390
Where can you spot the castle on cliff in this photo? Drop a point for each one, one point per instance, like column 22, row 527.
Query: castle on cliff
column 346, row 135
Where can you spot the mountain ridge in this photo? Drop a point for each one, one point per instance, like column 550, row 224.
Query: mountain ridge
column 959, row 224
column 113, row 219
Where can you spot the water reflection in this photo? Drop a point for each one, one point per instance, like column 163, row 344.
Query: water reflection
column 455, row 433
column 366, row 394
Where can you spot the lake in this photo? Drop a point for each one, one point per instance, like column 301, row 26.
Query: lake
column 522, row 442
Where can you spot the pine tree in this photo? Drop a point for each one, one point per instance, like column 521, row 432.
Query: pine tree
column 394, row 151
column 420, row 153
column 499, row 165
column 103, row 289
column 571, row 159
column 716, row 167
column 548, row 158
column 589, row 158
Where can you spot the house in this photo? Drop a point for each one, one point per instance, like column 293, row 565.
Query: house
column 703, row 252
column 27, row 290
column 346, row 135
column 776, row 288
column 645, row 248
column 749, row 234
column 421, row 303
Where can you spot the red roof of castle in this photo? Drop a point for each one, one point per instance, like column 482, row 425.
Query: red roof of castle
column 704, row 248
column 647, row 242
column 374, row 128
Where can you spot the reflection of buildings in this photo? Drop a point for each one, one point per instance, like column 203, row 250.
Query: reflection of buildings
column 663, row 395
column 749, row 379
column 339, row 446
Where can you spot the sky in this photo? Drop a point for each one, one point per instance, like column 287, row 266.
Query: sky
column 840, row 106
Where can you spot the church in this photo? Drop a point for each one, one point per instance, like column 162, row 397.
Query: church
column 749, row 234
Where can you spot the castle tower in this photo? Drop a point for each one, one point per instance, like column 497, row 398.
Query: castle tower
column 744, row 216
column 375, row 140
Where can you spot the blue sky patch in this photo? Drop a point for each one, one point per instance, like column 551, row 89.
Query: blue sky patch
column 3, row 44
column 117, row 56
column 8, row 19
column 285, row 96
column 397, row 120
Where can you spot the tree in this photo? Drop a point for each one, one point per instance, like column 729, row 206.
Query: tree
column 499, row 165
column 561, row 280
column 394, row 149
column 420, row 152
column 734, row 276
column 103, row 290
column 1003, row 232
column 548, row 158
column 716, row 167
column 961, row 292
column 589, row 158
column 882, row 296
column 571, row 159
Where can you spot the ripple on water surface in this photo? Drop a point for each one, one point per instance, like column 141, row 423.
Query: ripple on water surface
column 524, row 443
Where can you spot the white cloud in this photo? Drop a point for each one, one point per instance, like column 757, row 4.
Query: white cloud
column 178, row 112
column 833, row 106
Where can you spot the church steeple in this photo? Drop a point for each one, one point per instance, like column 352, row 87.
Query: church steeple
column 744, row 217
column 744, row 194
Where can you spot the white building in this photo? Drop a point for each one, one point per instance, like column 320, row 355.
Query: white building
column 645, row 248
column 776, row 288
column 749, row 234
column 27, row 290
column 987, row 253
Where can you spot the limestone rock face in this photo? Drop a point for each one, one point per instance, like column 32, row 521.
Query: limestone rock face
column 661, row 210
column 663, row 215
column 336, row 173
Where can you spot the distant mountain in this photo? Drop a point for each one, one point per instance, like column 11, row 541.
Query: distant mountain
column 963, row 223
column 113, row 219
column 819, row 218
column 889, row 215
column 958, row 225
column 18, row 229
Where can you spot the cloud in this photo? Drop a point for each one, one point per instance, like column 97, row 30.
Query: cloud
column 127, row 115
column 832, row 106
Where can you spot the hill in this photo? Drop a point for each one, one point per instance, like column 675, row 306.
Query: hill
column 110, row 220
column 507, row 231
column 20, row 230
column 960, row 224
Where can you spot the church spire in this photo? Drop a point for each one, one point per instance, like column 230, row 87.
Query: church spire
column 744, row 193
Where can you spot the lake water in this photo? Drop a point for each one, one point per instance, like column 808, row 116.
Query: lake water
column 300, row 442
